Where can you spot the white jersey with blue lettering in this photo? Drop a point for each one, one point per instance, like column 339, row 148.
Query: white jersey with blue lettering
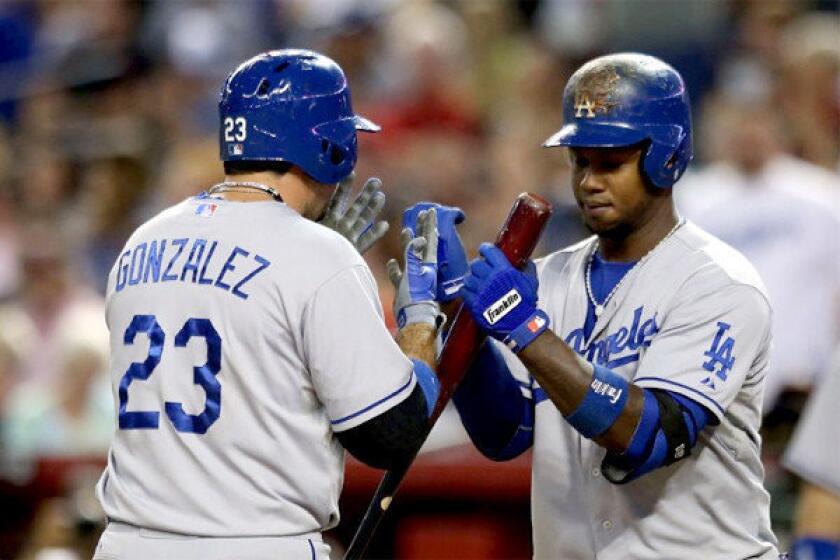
column 242, row 337
column 693, row 319
column 814, row 451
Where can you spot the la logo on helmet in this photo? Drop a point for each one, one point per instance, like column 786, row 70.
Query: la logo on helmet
column 582, row 104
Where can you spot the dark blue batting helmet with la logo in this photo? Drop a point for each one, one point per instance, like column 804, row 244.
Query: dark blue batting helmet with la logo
column 625, row 99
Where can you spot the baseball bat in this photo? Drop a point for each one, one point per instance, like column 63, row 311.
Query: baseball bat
column 517, row 239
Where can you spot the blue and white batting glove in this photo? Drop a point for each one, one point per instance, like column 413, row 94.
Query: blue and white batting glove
column 503, row 300
column 451, row 256
column 417, row 285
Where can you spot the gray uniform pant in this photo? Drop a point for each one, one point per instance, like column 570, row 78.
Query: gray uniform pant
column 126, row 542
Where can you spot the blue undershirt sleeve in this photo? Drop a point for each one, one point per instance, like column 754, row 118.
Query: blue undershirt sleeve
column 497, row 416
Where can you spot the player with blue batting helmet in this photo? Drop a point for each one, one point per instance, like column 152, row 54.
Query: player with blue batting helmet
column 625, row 99
column 294, row 106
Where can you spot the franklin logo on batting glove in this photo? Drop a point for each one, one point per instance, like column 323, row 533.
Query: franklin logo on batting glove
column 502, row 307
column 503, row 300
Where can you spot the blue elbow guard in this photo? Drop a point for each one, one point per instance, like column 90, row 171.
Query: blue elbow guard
column 429, row 384
column 667, row 431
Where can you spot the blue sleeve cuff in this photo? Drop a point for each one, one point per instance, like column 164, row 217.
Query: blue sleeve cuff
column 429, row 384
column 602, row 404
column 527, row 332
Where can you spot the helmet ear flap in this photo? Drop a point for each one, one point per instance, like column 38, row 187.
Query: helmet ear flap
column 333, row 153
column 337, row 155
column 664, row 166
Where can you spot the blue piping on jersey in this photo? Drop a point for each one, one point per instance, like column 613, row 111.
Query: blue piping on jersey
column 693, row 390
column 622, row 361
column 312, row 549
column 377, row 403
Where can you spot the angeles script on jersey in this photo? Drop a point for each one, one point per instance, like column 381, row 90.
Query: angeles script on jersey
column 693, row 319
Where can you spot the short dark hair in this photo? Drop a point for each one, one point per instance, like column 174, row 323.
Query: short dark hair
column 256, row 166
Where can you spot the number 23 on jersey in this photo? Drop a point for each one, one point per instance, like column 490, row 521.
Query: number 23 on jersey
column 204, row 376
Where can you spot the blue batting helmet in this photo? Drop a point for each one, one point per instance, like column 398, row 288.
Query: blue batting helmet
column 628, row 98
column 291, row 105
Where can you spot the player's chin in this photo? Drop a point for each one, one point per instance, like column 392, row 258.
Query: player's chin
column 600, row 220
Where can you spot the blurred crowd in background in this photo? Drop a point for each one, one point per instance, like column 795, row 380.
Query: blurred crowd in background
column 108, row 115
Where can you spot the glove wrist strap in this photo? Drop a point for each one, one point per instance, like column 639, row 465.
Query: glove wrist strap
column 448, row 289
column 527, row 332
column 426, row 312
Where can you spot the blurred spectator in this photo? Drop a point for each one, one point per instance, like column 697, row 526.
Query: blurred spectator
column 784, row 215
column 193, row 44
column 9, row 268
column 814, row 454
column 16, row 334
column 810, row 91
column 74, row 415
column 66, row 527
column 191, row 166
column 44, row 184
column 112, row 196
column 50, row 294
column 17, row 34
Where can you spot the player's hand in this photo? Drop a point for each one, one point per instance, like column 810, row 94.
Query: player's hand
column 451, row 257
column 417, row 285
column 358, row 221
column 502, row 299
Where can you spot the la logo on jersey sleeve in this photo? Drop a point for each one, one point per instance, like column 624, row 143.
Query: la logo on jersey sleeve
column 719, row 354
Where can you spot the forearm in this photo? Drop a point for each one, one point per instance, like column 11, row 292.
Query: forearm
column 566, row 379
column 417, row 340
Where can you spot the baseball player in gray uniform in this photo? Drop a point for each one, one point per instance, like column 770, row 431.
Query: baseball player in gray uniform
column 633, row 362
column 814, row 454
column 248, row 344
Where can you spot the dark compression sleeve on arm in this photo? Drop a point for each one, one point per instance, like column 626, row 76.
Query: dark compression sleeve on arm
column 385, row 439
column 497, row 416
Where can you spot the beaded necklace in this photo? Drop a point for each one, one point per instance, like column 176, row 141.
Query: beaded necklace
column 600, row 307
